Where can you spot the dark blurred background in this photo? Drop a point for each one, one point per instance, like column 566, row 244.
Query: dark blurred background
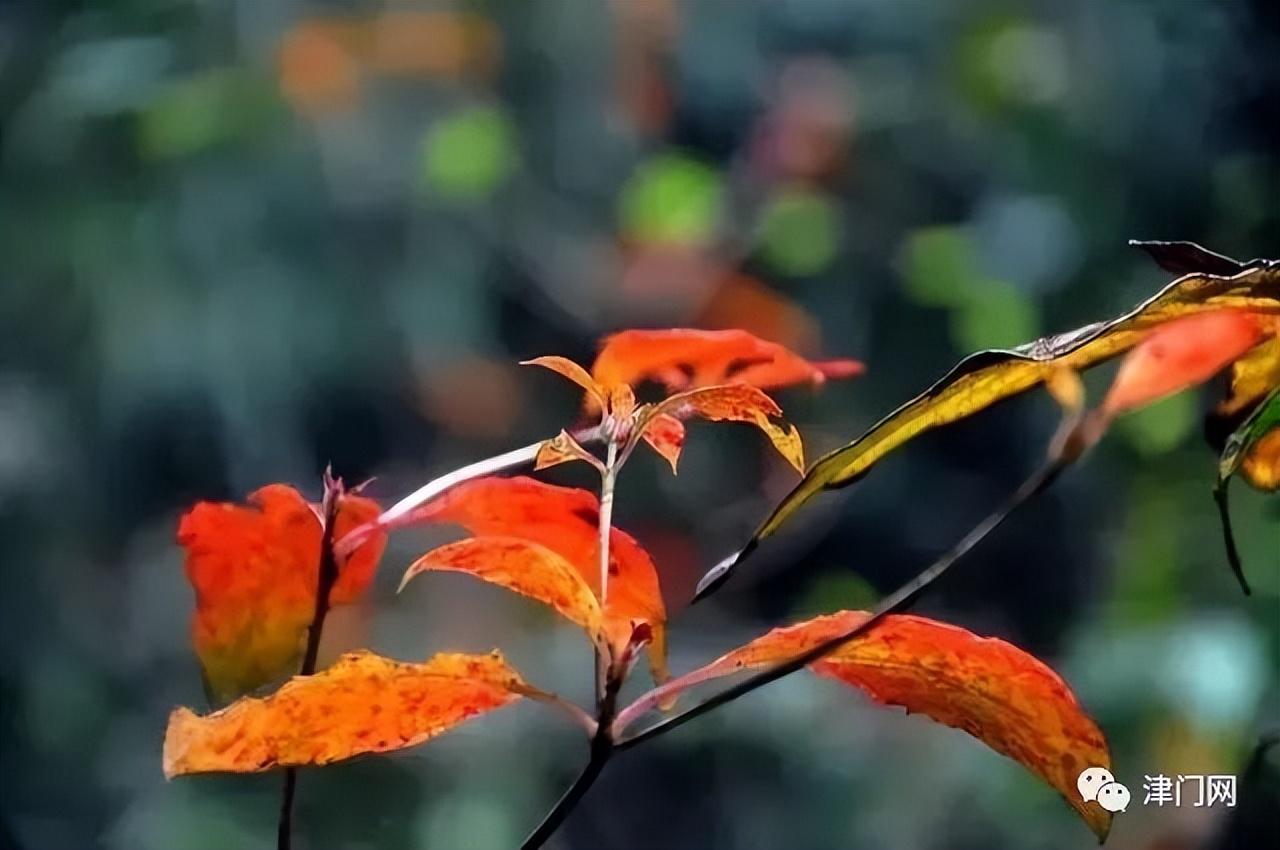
column 239, row 240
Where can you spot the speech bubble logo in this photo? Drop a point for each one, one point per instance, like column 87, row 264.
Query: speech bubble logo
column 1090, row 780
column 1113, row 797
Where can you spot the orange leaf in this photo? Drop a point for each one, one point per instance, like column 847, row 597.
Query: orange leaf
column 525, row 567
column 682, row 358
column 734, row 403
column 1261, row 466
column 567, row 368
column 565, row 520
column 561, row 449
column 1001, row 695
column 1181, row 354
column 666, row 435
column 254, row 570
column 364, row 703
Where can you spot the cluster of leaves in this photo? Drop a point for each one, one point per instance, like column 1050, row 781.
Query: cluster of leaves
column 266, row 573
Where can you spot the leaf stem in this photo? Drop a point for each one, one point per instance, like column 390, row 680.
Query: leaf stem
column 900, row 599
column 327, row 575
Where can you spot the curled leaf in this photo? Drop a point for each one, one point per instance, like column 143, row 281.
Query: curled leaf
column 561, row 449
column 364, row 703
column 987, row 377
column 682, row 358
column 525, row 567
column 731, row 403
column 987, row 687
column 254, row 569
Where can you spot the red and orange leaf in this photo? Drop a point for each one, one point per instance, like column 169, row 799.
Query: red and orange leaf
column 1181, row 354
column 665, row 434
column 735, row 403
column 525, row 567
column 568, row 369
column 364, row 703
column 566, row 521
column 254, row 570
column 999, row 694
column 683, row 358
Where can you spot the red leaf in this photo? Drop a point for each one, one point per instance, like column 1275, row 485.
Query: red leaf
column 682, row 358
column 566, row 521
column 1180, row 354
column 1001, row 695
column 254, row 570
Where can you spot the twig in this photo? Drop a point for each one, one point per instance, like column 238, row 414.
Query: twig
column 394, row 515
column 900, row 599
column 328, row 574
column 1228, row 535
column 602, row 748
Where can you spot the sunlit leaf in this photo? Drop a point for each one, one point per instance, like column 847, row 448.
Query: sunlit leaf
column 1252, row 377
column 682, row 358
column 566, row 521
column 987, row 377
column 999, row 694
column 1181, row 354
column 254, row 569
column 525, row 567
column 364, row 703
column 730, row 403
column 567, row 368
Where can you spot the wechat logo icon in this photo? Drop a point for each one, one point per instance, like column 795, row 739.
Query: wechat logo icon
column 1096, row 784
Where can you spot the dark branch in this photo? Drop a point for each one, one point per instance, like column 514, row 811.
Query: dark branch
column 900, row 599
column 602, row 748
column 328, row 575
column 1228, row 535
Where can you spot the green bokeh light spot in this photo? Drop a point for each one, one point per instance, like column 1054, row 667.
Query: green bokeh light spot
column 1161, row 427
column 672, row 198
column 799, row 232
column 940, row 266
column 469, row 154
column 201, row 112
column 995, row 314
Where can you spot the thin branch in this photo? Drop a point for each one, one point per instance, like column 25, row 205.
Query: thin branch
column 602, row 748
column 488, row 466
column 523, row 456
column 608, row 478
column 1228, row 535
column 900, row 599
column 327, row 576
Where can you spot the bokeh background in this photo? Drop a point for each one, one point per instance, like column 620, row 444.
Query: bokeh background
column 240, row 240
